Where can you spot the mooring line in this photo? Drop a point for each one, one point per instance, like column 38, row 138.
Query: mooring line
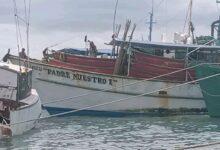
column 52, row 101
column 115, row 101
column 200, row 146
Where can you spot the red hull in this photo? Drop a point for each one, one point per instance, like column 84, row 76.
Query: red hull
column 142, row 66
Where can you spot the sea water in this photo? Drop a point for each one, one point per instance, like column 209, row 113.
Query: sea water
column 82, row 133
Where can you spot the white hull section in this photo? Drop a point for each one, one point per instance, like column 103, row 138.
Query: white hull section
column 32, row 111
column 53, row 83
column 52, row 91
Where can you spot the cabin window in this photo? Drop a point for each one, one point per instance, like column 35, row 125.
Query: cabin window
column 180, row 54
column 159, row 52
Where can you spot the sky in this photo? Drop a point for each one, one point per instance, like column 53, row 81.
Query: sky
column 66, row 22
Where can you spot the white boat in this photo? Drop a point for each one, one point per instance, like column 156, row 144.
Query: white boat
column 54, row 83
column 20, row 105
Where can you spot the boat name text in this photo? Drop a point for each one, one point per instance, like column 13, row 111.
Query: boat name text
column 81, row 77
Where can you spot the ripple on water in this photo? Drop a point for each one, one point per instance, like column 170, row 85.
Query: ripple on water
column 118, row 133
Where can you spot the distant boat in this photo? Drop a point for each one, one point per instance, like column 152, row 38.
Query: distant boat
column 19, row 103
column 210, row 88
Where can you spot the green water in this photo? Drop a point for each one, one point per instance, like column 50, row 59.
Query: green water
column 117, row 133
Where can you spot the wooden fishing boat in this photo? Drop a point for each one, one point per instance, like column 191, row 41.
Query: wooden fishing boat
column 19, row 103
column 55, row 82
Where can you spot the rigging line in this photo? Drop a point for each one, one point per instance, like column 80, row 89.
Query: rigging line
column 187, row 17
column 158, row 5
column 208, row 93
column 19, row 31
column 15, row 19
column 18, row 23
column 17, row 36
column 218, row 10
column 59, row 43
column 28, row 31
column 29, row 11
column 119, row 100
column 115, row 13
column 25, row 10
column 130, row 84
column 199, row 47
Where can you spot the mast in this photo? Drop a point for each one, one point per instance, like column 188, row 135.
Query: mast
column 114, row 29
column 190, row 18
column 115, row 13
column 151, row 22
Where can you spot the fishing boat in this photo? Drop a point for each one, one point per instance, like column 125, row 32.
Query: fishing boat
column 57, row 82
column 20, row 105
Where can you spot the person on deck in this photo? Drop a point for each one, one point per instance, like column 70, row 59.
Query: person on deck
column 22, row 54
column 45, row 54
column 92, row 48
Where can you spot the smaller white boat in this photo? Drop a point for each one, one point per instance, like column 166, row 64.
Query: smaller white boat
column 20, row 105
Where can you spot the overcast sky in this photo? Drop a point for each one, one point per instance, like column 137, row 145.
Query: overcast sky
column 55, row 21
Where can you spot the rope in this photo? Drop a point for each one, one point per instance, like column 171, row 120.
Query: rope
column 119, row 100
column 213, row 95
column 56, row 44
column 17, row 33
column 201, row 146
column 200, row 47
column 28, row 30
column 187, row 17
column 218, row 10
column 25, row 9
column 104, row 90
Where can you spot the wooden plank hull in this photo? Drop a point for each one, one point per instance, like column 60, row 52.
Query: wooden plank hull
column 142, row 66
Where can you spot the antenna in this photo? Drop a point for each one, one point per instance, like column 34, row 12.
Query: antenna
column 151, row 22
